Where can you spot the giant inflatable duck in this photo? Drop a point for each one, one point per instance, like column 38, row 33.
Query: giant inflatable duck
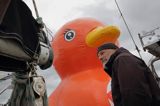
column 83, row 80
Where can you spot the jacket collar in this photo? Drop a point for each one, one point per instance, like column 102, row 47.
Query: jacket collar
column 108, row 65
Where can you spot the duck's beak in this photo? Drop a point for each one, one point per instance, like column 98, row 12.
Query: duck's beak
column 101, row 35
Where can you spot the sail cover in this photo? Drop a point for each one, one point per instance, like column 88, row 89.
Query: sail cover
column 19, row 31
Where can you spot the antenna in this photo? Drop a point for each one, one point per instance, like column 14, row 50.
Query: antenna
column 39, row 19
column 128, row 29
column 35, row 7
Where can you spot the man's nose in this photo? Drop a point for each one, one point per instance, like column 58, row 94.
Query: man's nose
column 101, row 57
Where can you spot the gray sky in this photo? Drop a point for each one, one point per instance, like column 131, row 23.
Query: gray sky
column 140, row 15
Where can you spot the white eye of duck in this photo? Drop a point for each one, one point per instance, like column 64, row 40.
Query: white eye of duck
column 69, row 35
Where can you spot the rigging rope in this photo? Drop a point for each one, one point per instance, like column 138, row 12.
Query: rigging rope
column 128, row 28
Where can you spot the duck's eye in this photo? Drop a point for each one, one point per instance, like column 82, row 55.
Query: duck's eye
column 69, row 35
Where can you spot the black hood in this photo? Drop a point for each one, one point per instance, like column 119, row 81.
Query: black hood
column 108, row 65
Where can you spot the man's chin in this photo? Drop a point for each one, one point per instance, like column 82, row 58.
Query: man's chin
column 104, row 63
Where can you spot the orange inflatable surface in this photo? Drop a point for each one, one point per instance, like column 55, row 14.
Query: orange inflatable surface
column 83, row 80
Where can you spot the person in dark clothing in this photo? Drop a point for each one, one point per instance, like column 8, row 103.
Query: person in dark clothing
column 132, row 82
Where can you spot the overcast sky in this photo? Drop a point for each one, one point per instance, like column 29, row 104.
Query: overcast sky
column 140, row 15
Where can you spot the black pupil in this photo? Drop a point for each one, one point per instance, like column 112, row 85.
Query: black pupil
column 70, row 35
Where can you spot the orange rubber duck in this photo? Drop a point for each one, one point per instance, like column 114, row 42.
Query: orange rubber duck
column 83, row 80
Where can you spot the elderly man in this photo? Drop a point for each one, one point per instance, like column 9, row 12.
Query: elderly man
column 132, row 81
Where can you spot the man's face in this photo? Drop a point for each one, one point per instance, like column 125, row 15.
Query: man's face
column 105, row 54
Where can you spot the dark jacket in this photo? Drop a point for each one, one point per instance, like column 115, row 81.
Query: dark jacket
column 130, row 83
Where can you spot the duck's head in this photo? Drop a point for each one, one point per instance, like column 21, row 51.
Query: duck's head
column 75, row 44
